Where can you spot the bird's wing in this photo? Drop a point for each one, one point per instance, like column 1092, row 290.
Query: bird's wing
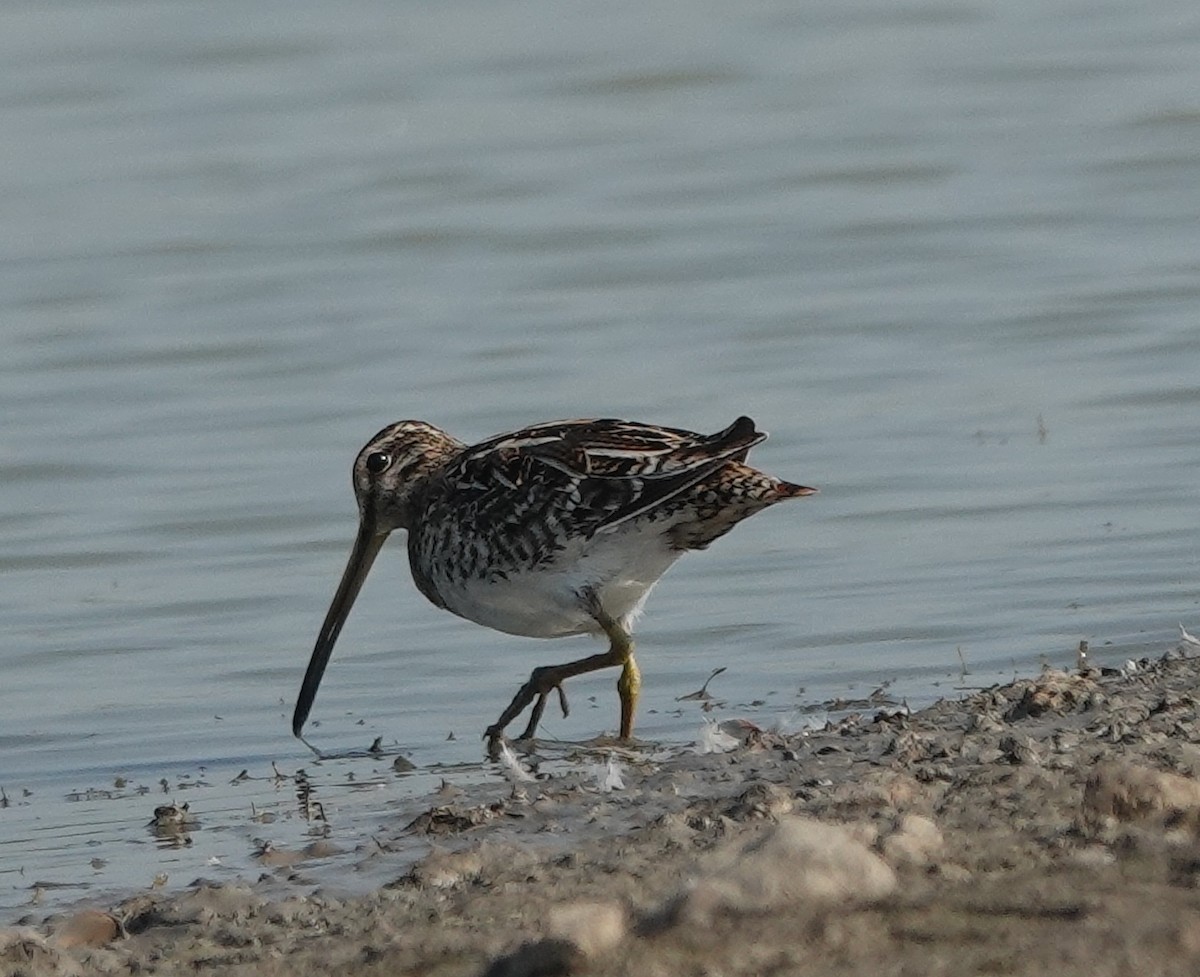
column 615, row 469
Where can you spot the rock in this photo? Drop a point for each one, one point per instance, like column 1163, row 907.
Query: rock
column 1017, row 749
column 1053, row 692
column 545, row 958
column 22, row 951
column 880, row 790
column 761, row 801
column 1093, row 857
column 450, row 819
column 89, row 928
column 799, row 862
column 321, row 849
column 953, row 873
column 221, row 900
column 916, row 842
column 271, row 857
column 1123, row 792
column 445, row 869
column 578, row 933
column 593, row 927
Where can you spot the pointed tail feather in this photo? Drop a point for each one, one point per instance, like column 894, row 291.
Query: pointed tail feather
column 789, row 490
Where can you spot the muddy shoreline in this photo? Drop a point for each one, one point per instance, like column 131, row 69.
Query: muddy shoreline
column 1053, row 822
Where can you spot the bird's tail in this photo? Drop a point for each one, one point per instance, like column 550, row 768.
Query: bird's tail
column 789, row 490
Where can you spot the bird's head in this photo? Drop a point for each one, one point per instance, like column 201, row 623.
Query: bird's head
column 391, row 465
column 387, row 472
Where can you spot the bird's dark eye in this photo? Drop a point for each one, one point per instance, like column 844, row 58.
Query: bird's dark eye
column 377, row 461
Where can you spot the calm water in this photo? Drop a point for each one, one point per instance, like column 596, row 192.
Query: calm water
column 947, row 252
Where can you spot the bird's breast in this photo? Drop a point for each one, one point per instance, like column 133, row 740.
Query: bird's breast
column 547, row 600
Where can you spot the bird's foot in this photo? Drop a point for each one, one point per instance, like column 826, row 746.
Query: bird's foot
column 495, row 741
column 535, row 716
column 541, row 683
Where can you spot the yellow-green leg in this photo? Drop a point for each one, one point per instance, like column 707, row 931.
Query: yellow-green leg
column 629, row 688
column 629, row 685
column 549, row 678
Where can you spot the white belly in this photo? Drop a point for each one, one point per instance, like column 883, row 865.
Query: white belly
column 620, row 568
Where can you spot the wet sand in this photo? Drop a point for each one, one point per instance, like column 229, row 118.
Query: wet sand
column 1048, row 825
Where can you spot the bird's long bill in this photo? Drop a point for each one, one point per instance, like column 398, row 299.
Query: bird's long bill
column 366, row 548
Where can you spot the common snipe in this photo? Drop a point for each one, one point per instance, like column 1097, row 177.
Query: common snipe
column 557, row 529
